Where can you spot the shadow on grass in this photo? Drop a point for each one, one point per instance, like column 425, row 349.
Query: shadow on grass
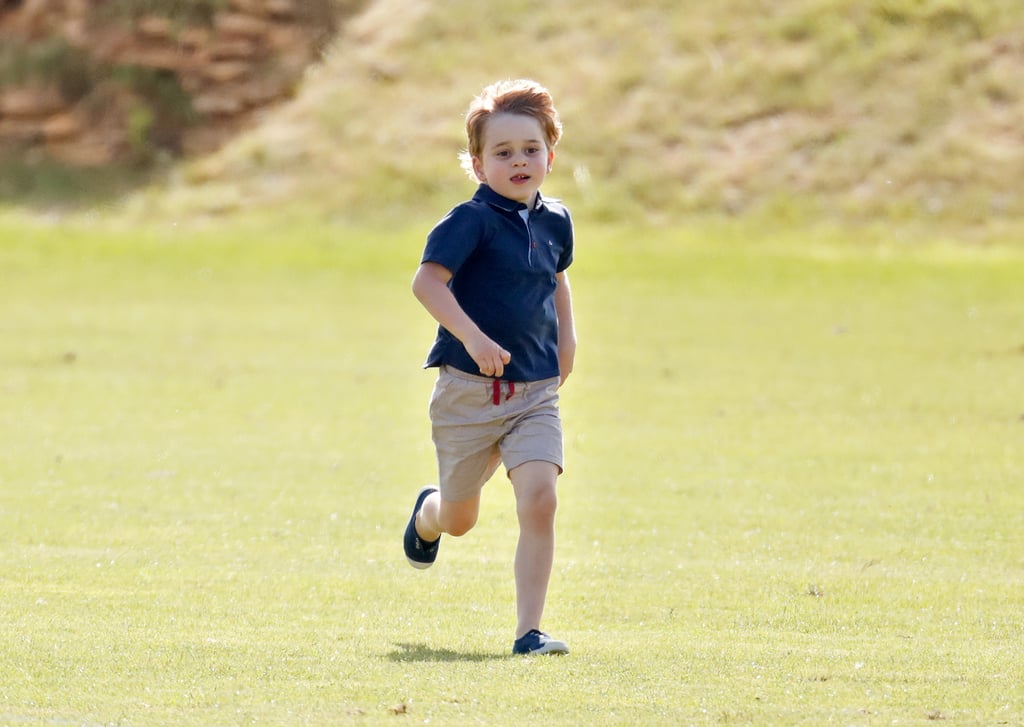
column 422, row 652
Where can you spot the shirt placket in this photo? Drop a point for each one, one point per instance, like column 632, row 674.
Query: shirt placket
column 530, row 244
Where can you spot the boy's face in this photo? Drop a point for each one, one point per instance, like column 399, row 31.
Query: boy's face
column 515, row 158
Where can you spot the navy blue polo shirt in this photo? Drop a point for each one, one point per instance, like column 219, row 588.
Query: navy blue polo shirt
column 503, row 276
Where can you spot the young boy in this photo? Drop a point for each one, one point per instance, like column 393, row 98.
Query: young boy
column 493, row 274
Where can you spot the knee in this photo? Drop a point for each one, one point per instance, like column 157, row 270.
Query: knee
column 458, row 523
column 538, row 507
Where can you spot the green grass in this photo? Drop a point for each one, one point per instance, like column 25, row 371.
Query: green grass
column 793, row 492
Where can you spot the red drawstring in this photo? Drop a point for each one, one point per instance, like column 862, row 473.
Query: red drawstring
column 496, row 396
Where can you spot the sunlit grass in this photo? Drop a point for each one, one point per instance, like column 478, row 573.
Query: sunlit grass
column 895, row 113
column 900, row 112
column 792, row 494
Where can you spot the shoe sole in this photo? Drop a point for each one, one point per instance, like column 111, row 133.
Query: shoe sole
column 549, row 648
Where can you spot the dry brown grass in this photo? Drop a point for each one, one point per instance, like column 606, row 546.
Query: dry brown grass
column 862, row 111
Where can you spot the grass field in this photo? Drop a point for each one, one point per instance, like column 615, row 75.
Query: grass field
column 794, row 486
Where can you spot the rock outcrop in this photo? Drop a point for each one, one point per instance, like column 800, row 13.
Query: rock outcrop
column 94, row 82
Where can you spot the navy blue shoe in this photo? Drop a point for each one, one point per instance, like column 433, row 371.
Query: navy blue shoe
column 419, row 552
column 537, row 642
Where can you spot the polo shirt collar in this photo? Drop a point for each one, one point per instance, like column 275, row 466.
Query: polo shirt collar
column 488, row 195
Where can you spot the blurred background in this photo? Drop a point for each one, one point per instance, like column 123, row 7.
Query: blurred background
column 856, row 112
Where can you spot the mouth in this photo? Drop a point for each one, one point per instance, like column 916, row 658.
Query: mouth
column 520, row 178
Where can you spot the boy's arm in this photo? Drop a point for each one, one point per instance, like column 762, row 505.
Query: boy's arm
column 430, row 286
column 566, row 325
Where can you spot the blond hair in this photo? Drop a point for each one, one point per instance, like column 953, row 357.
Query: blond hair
column 521, row 96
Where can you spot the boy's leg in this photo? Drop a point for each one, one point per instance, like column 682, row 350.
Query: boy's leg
column 536, row 502
column 440, row 517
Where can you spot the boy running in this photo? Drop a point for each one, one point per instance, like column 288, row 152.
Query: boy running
column 493, row 274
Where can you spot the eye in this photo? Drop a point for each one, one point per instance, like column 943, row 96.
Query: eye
column 502, row 154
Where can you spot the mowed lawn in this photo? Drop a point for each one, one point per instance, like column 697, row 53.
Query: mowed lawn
column 794, row 493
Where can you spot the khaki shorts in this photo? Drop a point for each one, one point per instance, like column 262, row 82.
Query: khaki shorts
column 473, row 434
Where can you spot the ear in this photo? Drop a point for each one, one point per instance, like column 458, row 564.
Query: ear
column 551, row 159
column 478, row 169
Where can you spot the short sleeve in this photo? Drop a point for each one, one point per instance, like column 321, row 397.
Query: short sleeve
column 454, row 238
column 565, row 258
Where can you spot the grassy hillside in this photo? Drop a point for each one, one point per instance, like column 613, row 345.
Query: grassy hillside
column 896, row 109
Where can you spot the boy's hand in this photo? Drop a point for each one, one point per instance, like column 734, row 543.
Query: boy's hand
column 488, row 355
column 430, row 284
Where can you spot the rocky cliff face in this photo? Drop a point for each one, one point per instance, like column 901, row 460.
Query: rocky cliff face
column 92, row 82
